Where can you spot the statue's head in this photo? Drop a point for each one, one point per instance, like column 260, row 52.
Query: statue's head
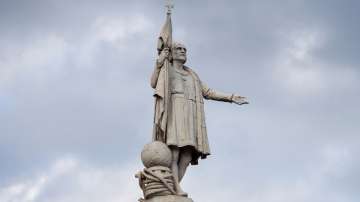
column 178, row 52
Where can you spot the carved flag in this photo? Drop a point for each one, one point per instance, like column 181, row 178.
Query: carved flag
column 162, row 100
column 165, row 38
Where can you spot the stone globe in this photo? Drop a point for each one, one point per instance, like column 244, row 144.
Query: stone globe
column 156, row 154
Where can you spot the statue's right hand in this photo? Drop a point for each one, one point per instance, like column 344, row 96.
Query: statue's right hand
column 163, row 55
column 237, row 99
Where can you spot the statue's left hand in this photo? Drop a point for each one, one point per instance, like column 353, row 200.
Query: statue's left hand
column 237, row 99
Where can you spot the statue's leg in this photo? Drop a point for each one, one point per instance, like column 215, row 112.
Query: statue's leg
column 184, row 161
column 175, row 170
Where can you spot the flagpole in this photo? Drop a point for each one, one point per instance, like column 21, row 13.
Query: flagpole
column 169, row 5
column 164, row 101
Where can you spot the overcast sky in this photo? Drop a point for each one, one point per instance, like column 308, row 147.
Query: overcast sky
column 76, row 104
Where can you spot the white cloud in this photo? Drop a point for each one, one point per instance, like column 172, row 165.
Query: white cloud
column 312, row 181
column 299, row 71
column 29, row 190
column 41, row 56
column 303, row 43
column 119, row 29
column 71, row 180
column 296, row 68
column 88, row 184
column 34, row 58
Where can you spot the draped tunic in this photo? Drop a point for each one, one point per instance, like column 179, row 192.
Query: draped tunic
column 185, row 124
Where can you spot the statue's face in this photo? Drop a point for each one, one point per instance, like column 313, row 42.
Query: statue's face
column 179, row 52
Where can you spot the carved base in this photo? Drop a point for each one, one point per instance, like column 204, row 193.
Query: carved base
column 169, row 198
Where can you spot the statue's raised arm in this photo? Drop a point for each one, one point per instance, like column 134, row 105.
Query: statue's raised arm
column 165, row 53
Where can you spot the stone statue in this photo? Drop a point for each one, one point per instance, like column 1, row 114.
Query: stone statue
column 179, row 119
column 185, row 132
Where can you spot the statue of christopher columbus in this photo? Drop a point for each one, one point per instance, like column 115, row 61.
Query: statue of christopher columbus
column 179, row 132
column 179, row 119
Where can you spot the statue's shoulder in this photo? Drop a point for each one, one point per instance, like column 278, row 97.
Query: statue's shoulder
column 191, row 71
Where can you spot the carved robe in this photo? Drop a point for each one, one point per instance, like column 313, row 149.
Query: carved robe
column 185, row 118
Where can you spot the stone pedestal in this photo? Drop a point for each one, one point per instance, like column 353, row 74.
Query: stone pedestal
column 169, row 198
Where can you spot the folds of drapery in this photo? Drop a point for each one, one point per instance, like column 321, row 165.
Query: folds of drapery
column 162, row 90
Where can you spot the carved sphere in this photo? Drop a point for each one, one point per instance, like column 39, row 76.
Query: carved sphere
column 156, row 154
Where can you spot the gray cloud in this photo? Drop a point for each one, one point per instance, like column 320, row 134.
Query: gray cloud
column 74, row 81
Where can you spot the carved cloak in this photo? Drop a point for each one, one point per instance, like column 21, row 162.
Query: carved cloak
column 161, row 114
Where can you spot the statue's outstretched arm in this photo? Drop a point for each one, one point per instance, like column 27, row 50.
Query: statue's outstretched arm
column 211, row 94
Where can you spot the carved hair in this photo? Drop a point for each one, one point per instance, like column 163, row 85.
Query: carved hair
column 177, row 44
